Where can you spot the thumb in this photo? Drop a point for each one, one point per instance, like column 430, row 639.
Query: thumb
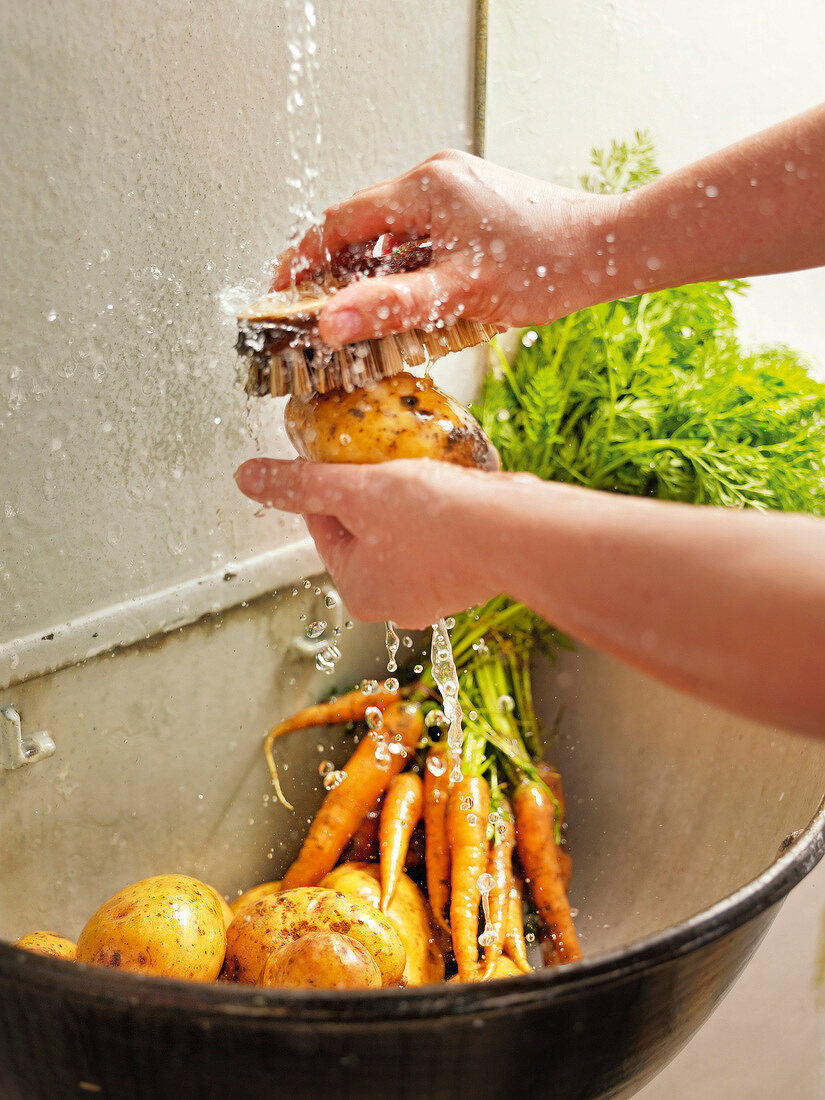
column 371, row 308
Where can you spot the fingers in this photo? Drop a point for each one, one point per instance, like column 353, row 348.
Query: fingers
column 397, row 206
column 332, row 540
column 371, row 308
column 297, row 486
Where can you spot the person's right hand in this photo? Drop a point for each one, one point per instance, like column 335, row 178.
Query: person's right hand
column 507, row 250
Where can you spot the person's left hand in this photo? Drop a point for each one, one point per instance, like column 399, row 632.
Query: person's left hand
column 402, row 540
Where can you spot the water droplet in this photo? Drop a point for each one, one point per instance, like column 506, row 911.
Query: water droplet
column 502, row 415
column 391, row 684
column 325, row 767
column 487, row 939
column 418, row 669
column 331, row 600
column 456, row 774
column 529, row 338
column 374, row 718
column 434, row 718
column 51, row 315
column 316, row 629
column 436, row 764
column 506, row 704
column 485, row 883
column 449, row 623
column 467, row 802
column 334, row 779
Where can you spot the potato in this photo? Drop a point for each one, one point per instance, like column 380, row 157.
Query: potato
column 322, row 960
column 263, row 928
column 253, row 894
column 171, row 925
column 409, row 912
column 51, row 944
column 398, row 417
column 225, row 908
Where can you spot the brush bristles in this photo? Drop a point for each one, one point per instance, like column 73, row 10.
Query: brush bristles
column 306, row 370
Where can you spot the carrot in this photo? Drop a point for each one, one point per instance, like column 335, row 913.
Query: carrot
column 363, row 847
column 500, row 870
column 351, row 707
column 551, row 778
column 367, row 774
column 437, row 849
column 467, row 810
column 515, row 946
column 400, row 814
column 537, row 850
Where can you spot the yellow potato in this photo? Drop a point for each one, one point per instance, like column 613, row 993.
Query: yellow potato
column 398, row 417
column 409, row 912
column 322, row 960
column 171, row 925
column 263, row 928
column 48, row 943
column 225, row 908
column 253, row 894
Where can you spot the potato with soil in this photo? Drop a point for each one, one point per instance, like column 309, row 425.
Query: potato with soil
column 262, row 890
column 169, row 925
column 51, row 944
column 263, row 928
column 322, row 960
column 398, row 417
column 409, row 912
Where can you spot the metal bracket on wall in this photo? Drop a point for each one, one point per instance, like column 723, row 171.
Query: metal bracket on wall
column 17, row 750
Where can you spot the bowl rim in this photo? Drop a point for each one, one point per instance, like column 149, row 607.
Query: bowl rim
column 223, row 1000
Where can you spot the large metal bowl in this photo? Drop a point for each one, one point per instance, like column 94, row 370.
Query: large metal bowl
column 688, row 827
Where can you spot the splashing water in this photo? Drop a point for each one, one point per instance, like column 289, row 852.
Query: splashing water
column 303, row 130
column 393, row 642
column 446, row 680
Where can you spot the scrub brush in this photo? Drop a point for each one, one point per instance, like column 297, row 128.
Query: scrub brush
column 288, row 356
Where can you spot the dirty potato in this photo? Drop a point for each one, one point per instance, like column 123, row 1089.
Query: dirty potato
column 322, row 960
column 170, row 925
column 51, row 944
column 409, row 913
column 398, row 417
column 263, row 928
column 253, row 893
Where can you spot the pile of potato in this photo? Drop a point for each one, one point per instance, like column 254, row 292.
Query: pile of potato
column 330, row 936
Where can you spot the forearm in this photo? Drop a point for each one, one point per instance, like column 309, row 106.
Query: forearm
column 729, row 606
column 755, row 208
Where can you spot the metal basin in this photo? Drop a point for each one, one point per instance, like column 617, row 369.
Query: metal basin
column 687, row 826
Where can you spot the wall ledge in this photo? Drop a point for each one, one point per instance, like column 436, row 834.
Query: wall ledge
column 138, row 619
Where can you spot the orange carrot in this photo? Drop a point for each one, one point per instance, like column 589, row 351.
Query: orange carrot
column 551, row 778
column 351, row 707
column 363, row 848
column 467, row 811
column 500, row 870
column 367, row 774
column 400, row 814
column 515, row 945
column 437, row 849
column 539, row 857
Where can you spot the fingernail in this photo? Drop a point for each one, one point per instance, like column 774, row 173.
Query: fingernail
column 345, row 326
column 251, row 477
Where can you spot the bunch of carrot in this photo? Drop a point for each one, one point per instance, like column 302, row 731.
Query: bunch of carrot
column 491, row 814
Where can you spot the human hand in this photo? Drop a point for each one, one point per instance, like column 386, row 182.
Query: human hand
column 507, row 249
column 402, row 540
